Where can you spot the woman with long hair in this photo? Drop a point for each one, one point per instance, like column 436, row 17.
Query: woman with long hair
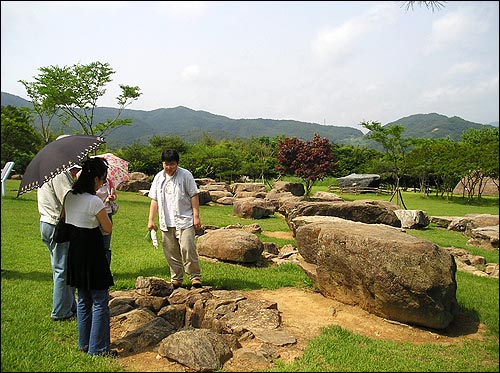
column 88, row 267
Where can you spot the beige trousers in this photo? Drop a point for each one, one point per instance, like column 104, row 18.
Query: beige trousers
column 179, row 247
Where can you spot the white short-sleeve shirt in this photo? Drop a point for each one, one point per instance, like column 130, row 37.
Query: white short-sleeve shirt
column 173, row 195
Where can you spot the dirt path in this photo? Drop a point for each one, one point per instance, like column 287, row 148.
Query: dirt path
column 304, row 313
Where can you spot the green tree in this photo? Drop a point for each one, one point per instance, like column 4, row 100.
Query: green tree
column 42, row 109
column 427, row 161
column 141, row 158
column 20, row 141
column 395, row 146
column 73, row 91
column 217, row 160
column 310, row 160
column 479, row 151
column 259, row 158
column 354, row 159
column 168, row 142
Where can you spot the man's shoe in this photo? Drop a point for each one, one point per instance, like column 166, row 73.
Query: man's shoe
column 196, row 284
column 69, row 318
column 176, row 284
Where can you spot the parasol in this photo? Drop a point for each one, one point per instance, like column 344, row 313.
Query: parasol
column 56, row 157
column 117, row 168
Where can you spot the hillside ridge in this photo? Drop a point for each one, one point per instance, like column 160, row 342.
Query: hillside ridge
column 192, row 125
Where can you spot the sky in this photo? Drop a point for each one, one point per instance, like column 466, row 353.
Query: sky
column 329, row 62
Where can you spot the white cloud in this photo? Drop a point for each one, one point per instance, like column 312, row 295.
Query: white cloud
column 463, row 68
column 457, row 29
column 190, row 72
column 332, row 62
column 335, row 43
column 184, row 9
column 461, row 93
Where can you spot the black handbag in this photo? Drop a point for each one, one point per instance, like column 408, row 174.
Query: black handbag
column 62, row 231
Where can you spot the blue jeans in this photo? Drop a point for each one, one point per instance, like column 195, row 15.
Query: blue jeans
column 93, row 321
column 63, row 297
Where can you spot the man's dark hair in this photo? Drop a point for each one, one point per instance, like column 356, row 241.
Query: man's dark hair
column 170, row 155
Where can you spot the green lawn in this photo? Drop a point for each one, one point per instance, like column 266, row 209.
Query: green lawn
column 30, row 341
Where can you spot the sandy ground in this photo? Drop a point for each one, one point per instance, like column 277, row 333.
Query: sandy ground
column 304, row 313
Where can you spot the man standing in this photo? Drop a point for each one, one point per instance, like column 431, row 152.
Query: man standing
column 50, row 198
column 174, row 195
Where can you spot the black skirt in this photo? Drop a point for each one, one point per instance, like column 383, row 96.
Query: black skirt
column 87, row 265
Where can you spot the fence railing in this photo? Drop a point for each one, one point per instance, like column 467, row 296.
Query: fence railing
column 358, row 190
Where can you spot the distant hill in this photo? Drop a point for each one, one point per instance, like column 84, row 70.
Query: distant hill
column 192, row 125
column 435, row 126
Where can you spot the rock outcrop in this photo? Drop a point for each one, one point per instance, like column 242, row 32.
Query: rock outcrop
column 386, row 272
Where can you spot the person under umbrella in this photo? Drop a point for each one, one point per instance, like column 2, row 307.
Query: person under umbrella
column 50, row 198
column 117, row 168
column 56, row 157
column 88, row 267
column 52, row 172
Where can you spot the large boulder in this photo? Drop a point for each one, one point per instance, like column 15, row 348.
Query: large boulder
column 137, row 181
column 252, row 208
column 230, row 245
column 413, row 219
column 199, row 349
column 485, row 237
column 359, row 181
column 365, row 211
column 381, row 269
column 247, row 187
column 297, row 189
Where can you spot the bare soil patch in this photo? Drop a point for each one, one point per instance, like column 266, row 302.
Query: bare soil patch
column 283, row 235
column 304, row 313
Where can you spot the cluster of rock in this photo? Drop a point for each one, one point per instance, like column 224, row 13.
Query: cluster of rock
column 355, row 252
column 250, row 200
column 481, row 228
column 201, row 329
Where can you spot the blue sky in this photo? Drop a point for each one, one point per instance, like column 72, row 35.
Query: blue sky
column 334, row 63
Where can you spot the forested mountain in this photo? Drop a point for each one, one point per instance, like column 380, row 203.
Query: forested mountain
column 434, row 126
column 192, row 125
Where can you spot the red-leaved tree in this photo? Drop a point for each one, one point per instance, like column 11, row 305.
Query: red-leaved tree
column 310, row 160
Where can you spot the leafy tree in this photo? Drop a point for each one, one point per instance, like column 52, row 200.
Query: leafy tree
column 449, row 167
column 20, row 141
column 311, row 160
column 259, row 158
column 217, row 160
column 168, row 142
column 395, row 146
column 354, row 159
column 479, row 151
column 42, row 109
column 141, row 158
column 73, row 91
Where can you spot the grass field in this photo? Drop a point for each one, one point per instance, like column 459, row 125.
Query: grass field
column 30, row 341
